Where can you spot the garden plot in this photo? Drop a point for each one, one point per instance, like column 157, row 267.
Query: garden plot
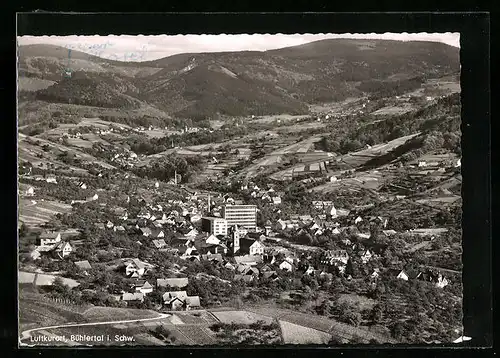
column 295, row 334
column 308, row 320
column 241, row 317
column 197, row 334
column 280, row 117
column 40, row 212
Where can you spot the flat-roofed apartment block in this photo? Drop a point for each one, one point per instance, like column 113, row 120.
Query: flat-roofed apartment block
column 214, row 226
column 241, row 215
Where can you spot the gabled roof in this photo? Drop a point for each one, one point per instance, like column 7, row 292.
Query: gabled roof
column 84, row 265
column 269, row 274
column 143, row 284
column 49, row 235
column 171, row 295
column 193, row 301
column 179, row 282
column 136, row 296
column 138, row 263
column 159, row 243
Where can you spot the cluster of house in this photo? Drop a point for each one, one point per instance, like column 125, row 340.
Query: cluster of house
column 51, row 243
column 126, row 159
column 49, row 178
column 268, row 195
column 171, row 300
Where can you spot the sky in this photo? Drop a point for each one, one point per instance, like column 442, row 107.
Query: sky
column 147, row 48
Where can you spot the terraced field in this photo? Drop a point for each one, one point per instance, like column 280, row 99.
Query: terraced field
column 295, row 334
column 41, row 212
column 197, row 334
column 241, row 317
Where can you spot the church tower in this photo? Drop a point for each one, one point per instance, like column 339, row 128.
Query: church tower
column 235, row 233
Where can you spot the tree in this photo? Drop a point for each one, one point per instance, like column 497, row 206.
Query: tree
column 376, row 314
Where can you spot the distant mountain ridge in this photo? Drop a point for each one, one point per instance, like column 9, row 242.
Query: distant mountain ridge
column 205, row 85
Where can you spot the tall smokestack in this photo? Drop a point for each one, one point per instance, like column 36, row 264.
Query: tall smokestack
column 175, row 179
column 209, row 203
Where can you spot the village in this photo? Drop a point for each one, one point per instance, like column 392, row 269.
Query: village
column 209, row 236
column 208, row 201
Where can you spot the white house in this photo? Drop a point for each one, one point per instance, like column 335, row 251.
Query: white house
column 143, row 287
column 212, row 240
column 366, row 256
column 51, row 179
column 63, row 249
column 358, row 220
column 402, row 275
column 49, row 238
column 30, row 191
column 135, row 268
column 276, row 200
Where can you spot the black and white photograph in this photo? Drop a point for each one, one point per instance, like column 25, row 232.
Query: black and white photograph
column 239, row 190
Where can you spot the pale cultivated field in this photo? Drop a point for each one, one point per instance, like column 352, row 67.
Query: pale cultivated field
column 43, row 279
column 103, row 314
column 33, row 84
column 41, row 212
column 392, row 110
column 364, row 302
column 295, row 334
column 281, row 117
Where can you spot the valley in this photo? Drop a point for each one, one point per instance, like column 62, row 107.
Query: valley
column 347, row 152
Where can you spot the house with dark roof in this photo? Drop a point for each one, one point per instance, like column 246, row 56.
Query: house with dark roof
column 179, row 300
column 49, row 238
column 250, row 247
column 159, row 244
column 143, row 287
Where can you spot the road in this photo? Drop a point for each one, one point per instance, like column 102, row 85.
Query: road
column 27, row 334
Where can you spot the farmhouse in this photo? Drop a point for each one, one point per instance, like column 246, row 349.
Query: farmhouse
column 48, row 238
column 286, row 266
column 136, row 296
column 136, row 268
column 159, row 244
column 143, row 287
column 179, row 300
column 248, row 247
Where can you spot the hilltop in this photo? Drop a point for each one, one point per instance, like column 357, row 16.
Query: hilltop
column 215, row 85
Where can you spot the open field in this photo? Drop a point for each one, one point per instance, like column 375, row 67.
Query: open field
column 198, row 335
column 364, row 302
column 241, row 317
column 295, row 334
column 32, row 84
column 41, row 212
column 320, row 323
column 29, row 151
column 43, row 279
column 98, row 314
column 392, row 110
column 278, row 117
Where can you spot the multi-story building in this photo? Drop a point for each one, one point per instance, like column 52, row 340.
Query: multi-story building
column 241, row 215
column 214, row 226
